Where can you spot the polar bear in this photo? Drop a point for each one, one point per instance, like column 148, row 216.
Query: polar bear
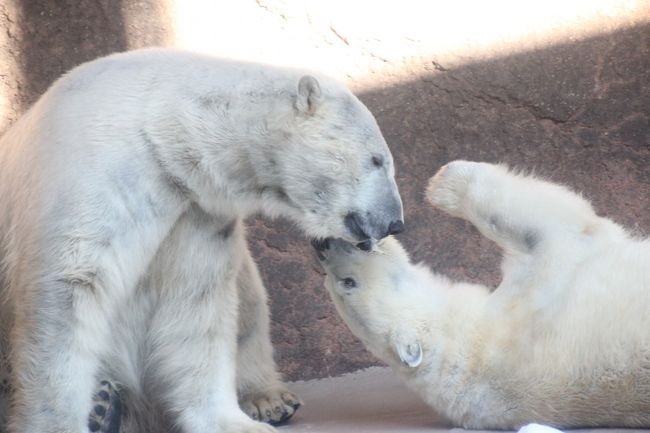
column 122, row 194
column 565, row 338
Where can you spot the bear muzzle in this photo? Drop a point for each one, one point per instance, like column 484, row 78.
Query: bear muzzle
column 369, row 228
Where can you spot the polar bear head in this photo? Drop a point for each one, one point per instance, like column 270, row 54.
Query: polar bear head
column 333, row 166
column 380, row 295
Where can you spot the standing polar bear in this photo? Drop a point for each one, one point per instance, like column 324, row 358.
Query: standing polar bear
column 122, row 193
column 565, row 338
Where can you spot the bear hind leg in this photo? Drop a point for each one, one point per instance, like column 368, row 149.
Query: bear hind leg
column 262, row 396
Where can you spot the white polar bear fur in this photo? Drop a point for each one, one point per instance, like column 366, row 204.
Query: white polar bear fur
column 122, row 250
column 564, row 340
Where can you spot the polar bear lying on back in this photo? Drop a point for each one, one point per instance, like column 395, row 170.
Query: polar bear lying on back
column 563, row 340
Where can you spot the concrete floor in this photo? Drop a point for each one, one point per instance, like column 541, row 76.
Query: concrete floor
column 372, row 400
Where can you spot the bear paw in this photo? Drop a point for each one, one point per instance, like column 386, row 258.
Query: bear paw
column 273, row 407
column 106, row 414
column 450, row 187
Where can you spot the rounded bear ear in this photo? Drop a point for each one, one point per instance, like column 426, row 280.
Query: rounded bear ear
column 309, row 95
column 410, row 354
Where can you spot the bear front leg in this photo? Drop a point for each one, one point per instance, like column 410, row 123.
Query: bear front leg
column 520, row 213
column 58, row 338
column 262, row 395
column 192, row 340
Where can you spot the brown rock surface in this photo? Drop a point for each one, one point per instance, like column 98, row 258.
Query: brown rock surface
column 575, row 110
column 577, row 114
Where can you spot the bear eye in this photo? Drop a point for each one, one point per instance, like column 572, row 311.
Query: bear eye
column 377, row 161
column 349, row 283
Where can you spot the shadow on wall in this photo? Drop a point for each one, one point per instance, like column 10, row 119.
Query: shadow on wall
column 53, row 40
column 577, row 113
column 53, row 36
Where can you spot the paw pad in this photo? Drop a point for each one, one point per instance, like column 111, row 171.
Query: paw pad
column 272, row 407
column 106, row 413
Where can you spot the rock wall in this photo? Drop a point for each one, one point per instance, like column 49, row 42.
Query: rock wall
column 566, row 96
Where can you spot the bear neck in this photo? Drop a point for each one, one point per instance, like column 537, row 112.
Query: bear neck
column 229, row 168
column 453, row 335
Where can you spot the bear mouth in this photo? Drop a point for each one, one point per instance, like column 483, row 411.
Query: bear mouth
column 322, row 245
column 354, row 223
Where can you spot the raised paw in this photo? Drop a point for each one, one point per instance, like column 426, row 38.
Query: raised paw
column 106, row 414
column 450, row 187
column 273, row 407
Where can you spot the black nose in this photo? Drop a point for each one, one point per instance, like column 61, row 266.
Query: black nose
column 396, row 227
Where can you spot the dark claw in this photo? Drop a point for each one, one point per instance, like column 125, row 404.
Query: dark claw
column 295, row 404
column 284, row 418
